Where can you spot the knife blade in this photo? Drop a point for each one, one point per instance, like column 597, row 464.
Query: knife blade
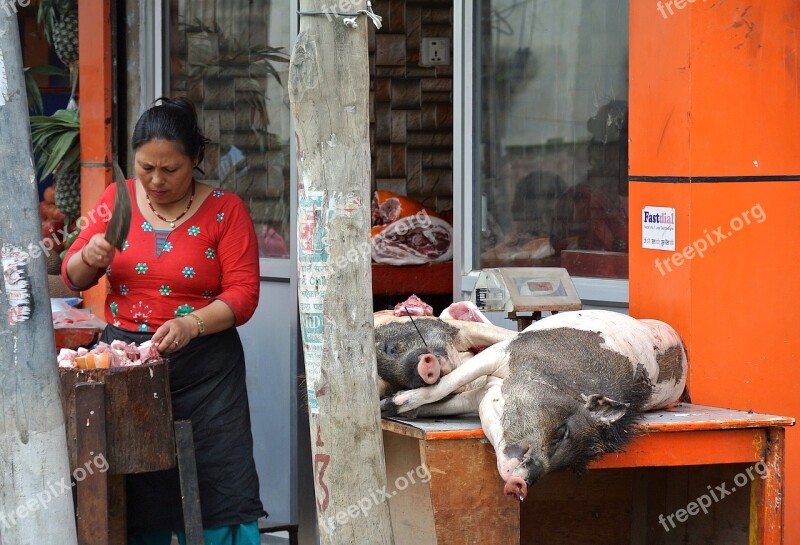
column 120, row 222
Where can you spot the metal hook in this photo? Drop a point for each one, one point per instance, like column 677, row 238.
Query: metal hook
column 418, row 331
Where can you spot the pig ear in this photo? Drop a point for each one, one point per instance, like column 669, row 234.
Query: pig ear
column 603, row 409
column 383, row 388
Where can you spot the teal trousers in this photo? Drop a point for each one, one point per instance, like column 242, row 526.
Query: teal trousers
column 242, row 534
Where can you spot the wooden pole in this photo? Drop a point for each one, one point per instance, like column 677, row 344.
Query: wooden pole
column 35, row 493
column 329, row 92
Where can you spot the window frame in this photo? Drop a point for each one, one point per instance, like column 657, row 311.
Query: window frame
column 155, row 76
column 592, row 291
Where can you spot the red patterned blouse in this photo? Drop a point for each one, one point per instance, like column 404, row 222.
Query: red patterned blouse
column 160, row 275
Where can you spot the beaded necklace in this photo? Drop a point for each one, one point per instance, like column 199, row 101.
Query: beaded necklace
column 162, row 218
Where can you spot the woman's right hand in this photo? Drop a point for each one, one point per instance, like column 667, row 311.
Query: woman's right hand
column 98, row 252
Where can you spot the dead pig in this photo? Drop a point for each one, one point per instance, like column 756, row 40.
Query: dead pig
column 405, row 362
column 410, row 357
column 566, row 390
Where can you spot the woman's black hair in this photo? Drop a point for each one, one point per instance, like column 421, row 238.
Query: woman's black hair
column 174, row 120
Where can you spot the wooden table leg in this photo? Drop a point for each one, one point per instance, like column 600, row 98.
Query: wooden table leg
column 447, row 492
column 767, row 499
column 92, row 465
column 117, row 511
column 192, row 516
column 467, row 495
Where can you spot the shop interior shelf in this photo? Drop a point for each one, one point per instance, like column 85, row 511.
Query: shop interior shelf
column 430, row 278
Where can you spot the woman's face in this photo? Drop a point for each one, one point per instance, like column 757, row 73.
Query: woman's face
column 164, row 170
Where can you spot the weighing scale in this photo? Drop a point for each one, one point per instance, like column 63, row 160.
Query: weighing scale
column 525, row 292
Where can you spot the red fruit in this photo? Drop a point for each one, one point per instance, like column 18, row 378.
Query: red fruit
column 50, row 195
column 48, row 228
column 51, row 227
column 49, row 211
column 56, row 214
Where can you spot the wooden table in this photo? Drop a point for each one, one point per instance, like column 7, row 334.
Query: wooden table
column 445, row 489
column 123, row 416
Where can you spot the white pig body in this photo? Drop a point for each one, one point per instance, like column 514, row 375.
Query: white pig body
column 643, row 342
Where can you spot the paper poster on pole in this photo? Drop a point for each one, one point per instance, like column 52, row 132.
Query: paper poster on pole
column 313, row 271
column 658, row 228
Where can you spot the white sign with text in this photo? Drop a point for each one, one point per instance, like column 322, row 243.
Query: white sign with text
column 658, row 228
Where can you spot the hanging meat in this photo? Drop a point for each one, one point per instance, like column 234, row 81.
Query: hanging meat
column 406, row 233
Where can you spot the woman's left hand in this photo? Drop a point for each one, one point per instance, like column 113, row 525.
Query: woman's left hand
column 173, row 335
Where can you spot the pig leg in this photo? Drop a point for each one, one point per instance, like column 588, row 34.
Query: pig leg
column 463, row 357
column 491, row 362
column 452, row 360
column 461, row 403
column 476, row 334
column 491, row 412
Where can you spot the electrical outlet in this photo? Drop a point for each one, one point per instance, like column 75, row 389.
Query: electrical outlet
column 434, row 52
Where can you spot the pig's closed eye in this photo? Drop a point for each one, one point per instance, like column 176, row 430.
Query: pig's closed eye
column 391, row 348
column 561, row 434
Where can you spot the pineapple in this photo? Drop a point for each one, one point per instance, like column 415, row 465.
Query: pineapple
column 53, row 261
column 56, row 142
column 68, row 194
column 60, row 21
column 65, row 33
column 56, row 150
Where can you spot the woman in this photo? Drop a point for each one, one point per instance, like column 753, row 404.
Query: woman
column 186, row 276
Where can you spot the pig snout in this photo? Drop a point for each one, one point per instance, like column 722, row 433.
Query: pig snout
column 525, row 475
column 516, row 487
column 429, row 368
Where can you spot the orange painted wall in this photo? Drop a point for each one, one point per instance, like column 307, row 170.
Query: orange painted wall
column 94, row 42
column 715, row 92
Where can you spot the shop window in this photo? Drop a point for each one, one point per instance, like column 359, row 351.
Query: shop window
column 231, row 58
column 551, row 135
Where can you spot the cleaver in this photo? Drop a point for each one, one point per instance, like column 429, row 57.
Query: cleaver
column 120, row 222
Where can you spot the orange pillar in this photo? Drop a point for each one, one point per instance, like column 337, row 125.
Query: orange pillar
column 94, row 48
column 715, row 134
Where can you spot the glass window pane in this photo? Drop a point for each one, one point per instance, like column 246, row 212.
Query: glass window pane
column 551, row 122
column 231, row 57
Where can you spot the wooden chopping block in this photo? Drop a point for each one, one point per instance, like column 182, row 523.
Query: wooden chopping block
column 138, row 414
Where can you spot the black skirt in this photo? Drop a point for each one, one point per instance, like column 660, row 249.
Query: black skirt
column 207, row 381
